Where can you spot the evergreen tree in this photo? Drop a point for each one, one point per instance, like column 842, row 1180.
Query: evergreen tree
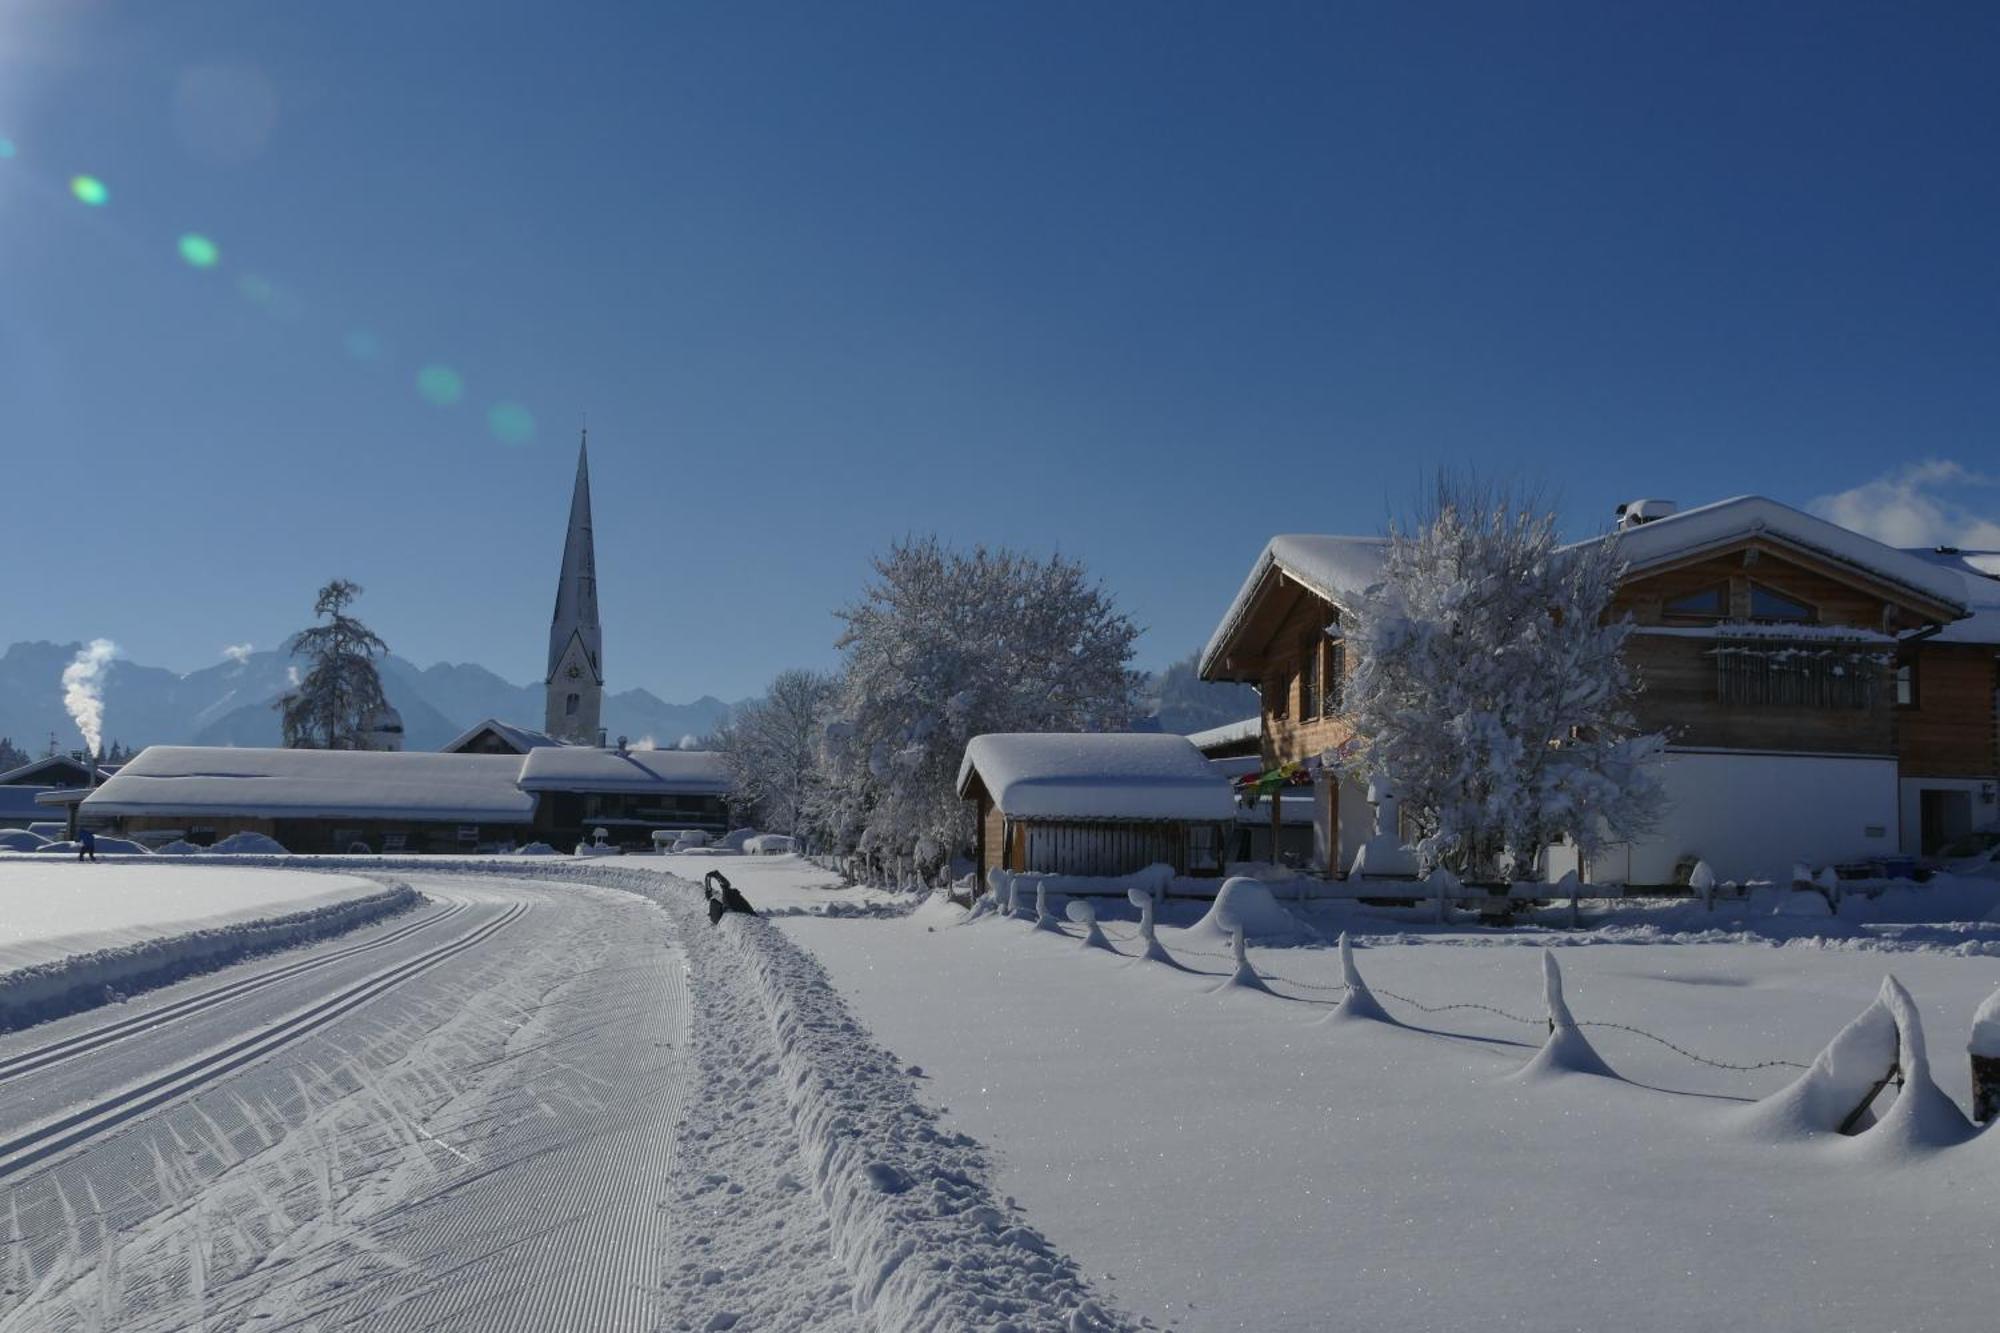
column 11, row 755
column 340, row 692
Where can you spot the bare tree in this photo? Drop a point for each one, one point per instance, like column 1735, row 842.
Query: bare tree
column 773, row 745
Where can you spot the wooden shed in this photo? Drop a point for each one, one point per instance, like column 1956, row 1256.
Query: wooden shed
column 1095, row 804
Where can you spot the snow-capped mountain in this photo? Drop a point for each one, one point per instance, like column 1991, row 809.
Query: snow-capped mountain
column 230, row 703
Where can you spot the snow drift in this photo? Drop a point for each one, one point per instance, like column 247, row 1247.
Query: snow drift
column 1567, row 1051
column 1248, row 903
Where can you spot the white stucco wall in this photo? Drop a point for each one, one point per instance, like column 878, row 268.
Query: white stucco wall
column 1750, row 816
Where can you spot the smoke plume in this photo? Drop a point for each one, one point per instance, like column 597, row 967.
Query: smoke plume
column 83, row 691
column 238, row 653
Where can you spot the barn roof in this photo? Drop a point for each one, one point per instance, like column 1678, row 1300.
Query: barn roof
column 316, row 784
column 589, row 768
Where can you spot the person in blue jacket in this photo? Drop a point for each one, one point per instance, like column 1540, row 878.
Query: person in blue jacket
column 86, row 844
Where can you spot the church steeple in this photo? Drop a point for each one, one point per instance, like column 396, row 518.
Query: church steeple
column 576, row 642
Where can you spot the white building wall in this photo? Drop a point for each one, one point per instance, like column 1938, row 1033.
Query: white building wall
column 1750, row 816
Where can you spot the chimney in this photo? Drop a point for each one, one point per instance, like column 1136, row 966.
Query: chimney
column 1634, row 512
column 622, row 745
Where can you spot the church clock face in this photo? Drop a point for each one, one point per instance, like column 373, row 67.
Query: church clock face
column 574, row 671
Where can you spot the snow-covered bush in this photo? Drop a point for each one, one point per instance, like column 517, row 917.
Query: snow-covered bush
column 1492, row 690
column 944, row 646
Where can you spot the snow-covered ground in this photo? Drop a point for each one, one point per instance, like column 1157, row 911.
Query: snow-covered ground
column 1221, row 1159
column 51, row 911
column 785, row 885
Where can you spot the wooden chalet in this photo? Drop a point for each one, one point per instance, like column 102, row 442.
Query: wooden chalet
column 1802, row 673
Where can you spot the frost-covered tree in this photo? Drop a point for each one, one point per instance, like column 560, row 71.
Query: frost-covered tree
column 340, row 693
column 1491, row 688
column 944, row 646
column 773, row 745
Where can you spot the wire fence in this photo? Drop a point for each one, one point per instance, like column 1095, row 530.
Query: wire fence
column 1540, row 1021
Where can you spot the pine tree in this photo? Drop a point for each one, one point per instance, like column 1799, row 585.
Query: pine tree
column 1491, row 688
column 11, row 755
column 340, row 692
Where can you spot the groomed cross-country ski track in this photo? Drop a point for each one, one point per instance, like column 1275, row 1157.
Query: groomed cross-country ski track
column 551, row 1097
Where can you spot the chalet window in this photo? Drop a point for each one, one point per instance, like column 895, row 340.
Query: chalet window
column 571, row 703
column 1906, row 685
column 1770, row 604
column 1336, row 676
column 1309, row 681
column 1710, row 603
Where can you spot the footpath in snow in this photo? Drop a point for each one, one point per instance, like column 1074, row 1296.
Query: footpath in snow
column 69, row 932
column 1222, row 1158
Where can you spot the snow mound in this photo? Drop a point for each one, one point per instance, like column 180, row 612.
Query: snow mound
column 105, row 847
column 1247, row 903
column 733, row 841
column 249, row 844
column 536, row 849
column 1802, row 902
column 179, row 847
column 1567, row 1051
column 20, row 840
column 767, row 844
column 907, row 1205
column 1359, row 1004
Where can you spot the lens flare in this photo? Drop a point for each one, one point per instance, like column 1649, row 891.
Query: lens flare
column 510, row 423
column 199, row 251
column 362, row 345
column 90, row 190
column 440, row 385
column 6, row 147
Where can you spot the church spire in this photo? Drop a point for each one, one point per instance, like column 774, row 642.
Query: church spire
column 576, row 642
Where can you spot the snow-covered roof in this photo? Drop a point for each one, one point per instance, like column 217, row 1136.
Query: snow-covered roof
column 1339, row 569
column 1979, row 574
column 309, row 784
column 1097, row 775
column 521, row 738
column 1229, row 733
column 1713, row 526
column 51, row 771
column 588, row 768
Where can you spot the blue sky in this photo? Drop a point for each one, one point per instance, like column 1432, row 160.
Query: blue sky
column 1141, row 282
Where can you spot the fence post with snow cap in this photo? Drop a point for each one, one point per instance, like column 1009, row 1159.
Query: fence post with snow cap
column 1359, row 1001
column 1985, row 1049
column 1567, row 1051
column 1043, row 921
column 1828, row 881
column 1701, row 880
column 1152, row 952
column 1082, row 912
column 1245, row 976
column 1442, row 884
